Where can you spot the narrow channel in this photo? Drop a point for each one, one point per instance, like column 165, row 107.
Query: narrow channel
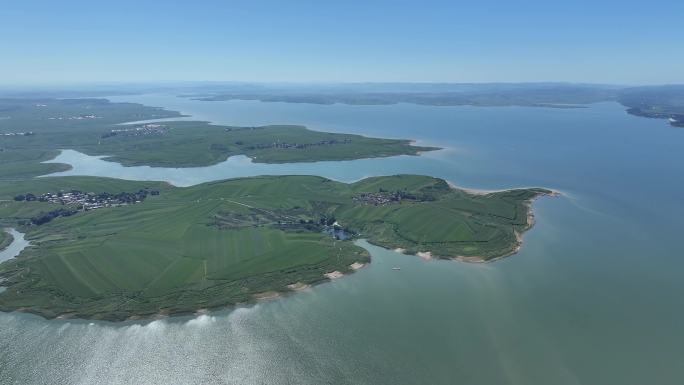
column 18, row 244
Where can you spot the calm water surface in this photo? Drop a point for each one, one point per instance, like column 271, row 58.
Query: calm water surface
column 594, row 297
column 13, row 249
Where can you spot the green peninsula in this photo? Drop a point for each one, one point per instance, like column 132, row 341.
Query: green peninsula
column 35, row 130
column 151, row 248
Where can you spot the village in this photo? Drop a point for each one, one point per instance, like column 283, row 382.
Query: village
column 284, row 145
column 77, row 117
column 89, row 201
column 141, row 130
column 382, row 198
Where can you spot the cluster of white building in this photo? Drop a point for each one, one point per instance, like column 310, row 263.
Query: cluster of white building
column 80, row 117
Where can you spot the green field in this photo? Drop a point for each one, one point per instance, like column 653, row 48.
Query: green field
column 199, row 144
column 223, row 243
column 86, row 125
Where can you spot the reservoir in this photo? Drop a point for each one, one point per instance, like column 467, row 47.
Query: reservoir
column 594, row 296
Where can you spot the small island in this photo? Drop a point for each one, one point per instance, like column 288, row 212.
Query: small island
column 182, row 250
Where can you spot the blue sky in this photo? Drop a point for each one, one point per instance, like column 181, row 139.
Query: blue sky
column 625, row 42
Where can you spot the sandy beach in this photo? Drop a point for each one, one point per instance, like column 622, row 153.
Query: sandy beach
column 266, row 295
column 333, row 274
column 357, row 265
column 425, row 255
column 298, row 286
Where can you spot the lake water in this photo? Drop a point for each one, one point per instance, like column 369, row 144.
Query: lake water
column 13, row 249
column 594, row 297
column 18, row 244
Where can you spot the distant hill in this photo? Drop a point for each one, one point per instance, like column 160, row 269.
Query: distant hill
column 664, row 102
column 494, row 94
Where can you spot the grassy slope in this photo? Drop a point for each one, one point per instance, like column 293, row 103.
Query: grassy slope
column 168, row 254
column 187, row 144
column 5, row 239
column 26, row 163
column 456, row 224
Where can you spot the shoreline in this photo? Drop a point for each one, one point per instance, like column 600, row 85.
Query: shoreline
column 476, row 191
column 291, row 289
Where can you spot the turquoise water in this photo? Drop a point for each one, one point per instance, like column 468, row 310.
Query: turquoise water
column 594, row 297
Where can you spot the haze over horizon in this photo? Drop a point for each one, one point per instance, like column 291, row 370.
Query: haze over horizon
column 626, row 43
